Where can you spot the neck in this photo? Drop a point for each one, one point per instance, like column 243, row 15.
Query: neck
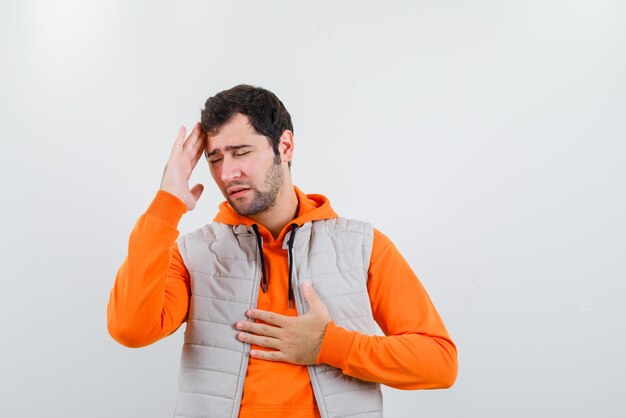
column 284, row 211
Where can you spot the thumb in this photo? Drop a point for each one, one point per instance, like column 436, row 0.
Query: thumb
column 311, row 297
column 196, row 191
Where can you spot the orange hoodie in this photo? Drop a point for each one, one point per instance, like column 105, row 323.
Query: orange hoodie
column 150, row 300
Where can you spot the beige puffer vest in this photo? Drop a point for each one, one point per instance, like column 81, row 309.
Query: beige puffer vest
column 226, row 269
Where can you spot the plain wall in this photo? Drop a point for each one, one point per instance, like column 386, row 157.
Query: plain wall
column 485, row 138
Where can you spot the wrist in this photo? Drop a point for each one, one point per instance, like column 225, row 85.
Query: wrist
column 167, row 207
column 336, row 346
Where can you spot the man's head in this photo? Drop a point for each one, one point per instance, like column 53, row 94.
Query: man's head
column 249, row 147
column 267, row 114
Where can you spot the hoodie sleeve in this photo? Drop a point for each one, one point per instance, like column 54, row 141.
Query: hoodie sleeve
column 416, row 351
column 150, row 296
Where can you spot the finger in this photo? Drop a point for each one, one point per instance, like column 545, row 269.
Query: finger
column 196, row 191
column 180, row 139
column 195, row 130
column 192, row 139
column 199, row 148
column 269, row 317
column 259, row 329
column 311, row 297
column 269, row 355
column 261, row 341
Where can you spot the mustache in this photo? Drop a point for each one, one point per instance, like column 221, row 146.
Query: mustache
column 237, row 183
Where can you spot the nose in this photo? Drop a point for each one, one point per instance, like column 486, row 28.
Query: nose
column 230, row 170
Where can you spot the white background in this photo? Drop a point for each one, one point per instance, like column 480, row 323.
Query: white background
column 486, row 138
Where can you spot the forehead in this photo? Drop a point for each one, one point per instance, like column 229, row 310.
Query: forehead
column 237, row 131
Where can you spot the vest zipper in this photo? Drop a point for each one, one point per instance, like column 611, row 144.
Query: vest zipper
column 315, row 383
column 245, row 360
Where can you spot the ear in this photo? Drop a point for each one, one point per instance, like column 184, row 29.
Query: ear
column 285, row 146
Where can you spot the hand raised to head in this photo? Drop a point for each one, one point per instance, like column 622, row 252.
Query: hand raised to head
column 294, row 339
column 183, row 159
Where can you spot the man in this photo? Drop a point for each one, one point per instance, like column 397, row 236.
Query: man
column 279, row 294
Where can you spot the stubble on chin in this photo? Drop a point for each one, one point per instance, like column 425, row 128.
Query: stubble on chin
column 261, row 201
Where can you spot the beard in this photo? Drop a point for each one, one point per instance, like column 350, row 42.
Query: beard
column 261, row 200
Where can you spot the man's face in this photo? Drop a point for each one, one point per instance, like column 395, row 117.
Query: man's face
column 244, row 166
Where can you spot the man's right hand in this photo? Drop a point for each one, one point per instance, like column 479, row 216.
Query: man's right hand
column 183, row 159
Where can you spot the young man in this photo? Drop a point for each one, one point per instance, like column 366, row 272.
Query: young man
column 279, row 294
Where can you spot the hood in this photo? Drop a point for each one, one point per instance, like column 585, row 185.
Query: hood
column 311, row 207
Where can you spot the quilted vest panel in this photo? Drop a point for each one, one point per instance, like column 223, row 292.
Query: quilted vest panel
column 225, row 269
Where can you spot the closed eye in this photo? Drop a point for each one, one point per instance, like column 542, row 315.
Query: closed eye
column 241, row 154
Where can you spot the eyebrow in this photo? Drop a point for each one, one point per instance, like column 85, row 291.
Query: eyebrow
column 228, row 148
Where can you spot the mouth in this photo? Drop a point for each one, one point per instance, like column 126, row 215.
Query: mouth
column 237, row 191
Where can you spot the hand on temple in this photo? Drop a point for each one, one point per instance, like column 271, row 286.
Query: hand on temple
column 183, row 159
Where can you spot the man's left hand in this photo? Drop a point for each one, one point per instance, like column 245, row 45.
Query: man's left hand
column 294, row 339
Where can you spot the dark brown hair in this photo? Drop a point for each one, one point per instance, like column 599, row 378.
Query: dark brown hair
column 266, row 112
